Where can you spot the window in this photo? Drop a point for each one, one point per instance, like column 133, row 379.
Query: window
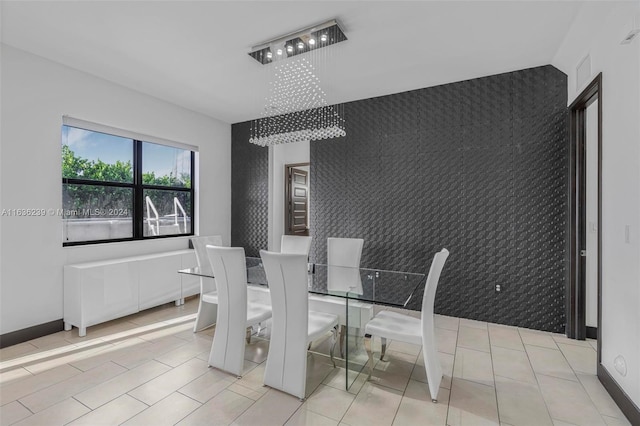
column 120, row 188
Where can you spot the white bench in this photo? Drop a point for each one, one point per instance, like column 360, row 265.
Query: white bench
column 96, row 292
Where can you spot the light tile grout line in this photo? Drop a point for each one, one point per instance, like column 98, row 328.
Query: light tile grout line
column 453, row 368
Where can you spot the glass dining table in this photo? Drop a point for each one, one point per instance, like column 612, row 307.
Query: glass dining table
column 355, row 290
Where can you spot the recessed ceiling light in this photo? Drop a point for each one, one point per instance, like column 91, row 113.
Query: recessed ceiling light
column 323, row 38
column 300, row 45
column 269, row 55
column 279, row 52
column 289, row 48
column 312, row 41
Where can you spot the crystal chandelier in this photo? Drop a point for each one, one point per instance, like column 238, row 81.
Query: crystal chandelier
column 296, row 107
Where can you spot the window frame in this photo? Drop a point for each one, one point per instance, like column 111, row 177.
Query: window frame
column 138, row 189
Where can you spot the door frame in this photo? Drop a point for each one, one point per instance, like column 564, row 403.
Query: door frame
column 287, row 168
column 576, row 290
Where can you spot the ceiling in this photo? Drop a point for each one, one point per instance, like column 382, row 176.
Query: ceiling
column 194, row 53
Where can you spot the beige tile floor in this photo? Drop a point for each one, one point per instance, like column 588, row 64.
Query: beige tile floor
column 151, row 369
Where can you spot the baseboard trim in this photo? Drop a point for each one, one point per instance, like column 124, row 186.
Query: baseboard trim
column 619, row 396
column 592, row 332
column 19, row 336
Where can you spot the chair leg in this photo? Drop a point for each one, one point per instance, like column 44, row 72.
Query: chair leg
column 367, row 346
column 384, row 348
column 333, row 345
column 249, row 329
column 343, row 332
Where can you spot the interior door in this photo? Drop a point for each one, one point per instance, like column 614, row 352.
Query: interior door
column 297, row 199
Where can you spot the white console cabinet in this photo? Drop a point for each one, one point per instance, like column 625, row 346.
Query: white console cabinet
column 95, row 292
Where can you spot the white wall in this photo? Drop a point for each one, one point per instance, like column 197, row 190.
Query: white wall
column 598, row 31
column 36, row 93
column 279, row 155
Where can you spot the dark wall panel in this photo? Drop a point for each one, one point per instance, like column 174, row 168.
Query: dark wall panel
column 478, row 167
column 249, row 192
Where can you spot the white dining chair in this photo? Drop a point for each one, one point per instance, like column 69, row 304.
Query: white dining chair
column 343, row 275
column 208, row 305
column 293, row 325
column 236, row 316
column 396, row 326
column 295, row 244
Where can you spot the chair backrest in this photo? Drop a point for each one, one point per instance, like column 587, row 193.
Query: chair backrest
column 295, row 244
column 344, row 251
column 230, row 269
column 286, row 367
column 343, row 260
column 429, row 351
column 429, row 296
column 199, row 244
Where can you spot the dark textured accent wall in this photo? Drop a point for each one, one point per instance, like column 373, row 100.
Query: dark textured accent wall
column 249, row 192
column 478, row 167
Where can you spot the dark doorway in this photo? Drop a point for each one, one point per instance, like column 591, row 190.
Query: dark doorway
column 585, row 184
column 296, row 198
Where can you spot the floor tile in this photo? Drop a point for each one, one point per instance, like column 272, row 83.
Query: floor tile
column 374, row 405
column 521, row 403
column 512, row 364
column 102, row 393
column 561, row 338
column 446, row 322
column 473, row 338
column 505, row 337
column 168, row 411
column 147, row 351
column 567, row 401
column 337, row 379
column 600, row 397
column 537, row 338
column 474, row 366
column 330, row 402
column 13, row 412
column 34, row 383
column 616, row 421
column 446, row 363
column 582, row 359
column 304, row 417
column 406, row 348
column 150, row 368
column 185, row 352
column 58, row 414
column 13, row 375
column 446, row 340
column 557, row 422
column 52, row 395
column 416, row 406
column 394, row 372
column 472, row 404
column 274, row 408
column 222, row 409
column 550, row 362
column 112, row 413
column 110, row 353
column 257, row 351
column 464, row 322
column 207, row 386
column 169, row 382
column 16, row 351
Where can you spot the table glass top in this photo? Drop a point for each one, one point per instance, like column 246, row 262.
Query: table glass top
column 393, row 288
